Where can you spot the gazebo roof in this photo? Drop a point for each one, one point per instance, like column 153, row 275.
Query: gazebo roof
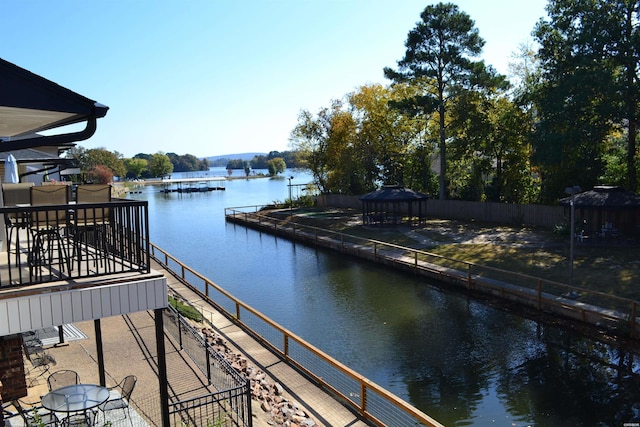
column 606, row 197
column 394, row 193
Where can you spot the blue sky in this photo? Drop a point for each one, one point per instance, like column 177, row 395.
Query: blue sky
column 225, row 76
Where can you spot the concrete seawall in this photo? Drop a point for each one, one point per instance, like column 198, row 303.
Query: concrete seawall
column 566, row 306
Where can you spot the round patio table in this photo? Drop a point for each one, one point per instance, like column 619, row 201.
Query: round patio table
column 75, row 398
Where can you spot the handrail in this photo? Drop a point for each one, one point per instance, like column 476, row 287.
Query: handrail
column 545, row 291
column 365, row 385
column 47, row 243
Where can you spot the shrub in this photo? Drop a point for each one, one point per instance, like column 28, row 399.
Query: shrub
column 186, row 310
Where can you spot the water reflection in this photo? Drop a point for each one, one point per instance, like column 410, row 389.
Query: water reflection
column 460, row 361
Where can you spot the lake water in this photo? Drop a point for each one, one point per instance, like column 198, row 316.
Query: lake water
column 459, row 361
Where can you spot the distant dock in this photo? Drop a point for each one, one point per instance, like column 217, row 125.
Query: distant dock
column 193, row 185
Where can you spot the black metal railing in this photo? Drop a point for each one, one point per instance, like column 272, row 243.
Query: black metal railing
column 231, row 403
column 47, row 243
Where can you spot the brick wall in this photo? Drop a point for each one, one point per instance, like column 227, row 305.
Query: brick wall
column 12, row 375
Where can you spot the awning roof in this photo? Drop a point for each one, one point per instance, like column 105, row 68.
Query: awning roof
column 30, row 103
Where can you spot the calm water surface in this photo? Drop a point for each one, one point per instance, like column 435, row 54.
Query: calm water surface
column 458, row 360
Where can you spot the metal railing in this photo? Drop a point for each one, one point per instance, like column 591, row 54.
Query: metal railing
column 231, row 403
column 618, row 314
column 373, row 402
column 47, row 243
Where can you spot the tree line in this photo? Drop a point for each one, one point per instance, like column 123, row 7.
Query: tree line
column 259, row 161
column 101, row 165
column 448, row 124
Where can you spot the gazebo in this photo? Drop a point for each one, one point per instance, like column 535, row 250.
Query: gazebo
column 607, row 210
column 392, row 205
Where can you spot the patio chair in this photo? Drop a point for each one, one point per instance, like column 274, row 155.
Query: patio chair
column 90, row 224
column 35, row 416
column 14, row 194
column 62, row 378
column 39, row 358
column 46, row 226
column 119, row 397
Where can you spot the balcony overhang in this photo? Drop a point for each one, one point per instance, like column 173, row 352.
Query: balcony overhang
column 30, row 103
column 39, row 307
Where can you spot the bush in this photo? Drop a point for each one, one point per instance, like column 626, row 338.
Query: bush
column 186, row 310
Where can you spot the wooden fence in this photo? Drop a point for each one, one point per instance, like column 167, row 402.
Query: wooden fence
column 504, row 213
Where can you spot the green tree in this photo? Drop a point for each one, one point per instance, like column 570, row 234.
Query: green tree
column 259, row 162
column 354, row 146
column 276, row 166
column 332, row 149
column 187, row 163
column 490, row 149
column 591, row 88
column 135, row 167
column 89, row 159
column 385, row 135
column 235, row 164
column 160, row 165
column 438, row 52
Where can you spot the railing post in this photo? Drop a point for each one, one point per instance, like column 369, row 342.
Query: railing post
column 286, row 346
column 468, row 276
column 206, row 288
column 363, row 397
column 539, row 294
column 208, row 357
column 633, row 318
column 415, row 260
column 237, row 310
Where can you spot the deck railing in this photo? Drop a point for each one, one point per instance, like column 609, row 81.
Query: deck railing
column 47, row 243
column 617, row 314
column 373, row 402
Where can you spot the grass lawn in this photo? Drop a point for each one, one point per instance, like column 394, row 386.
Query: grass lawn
column 536, row 252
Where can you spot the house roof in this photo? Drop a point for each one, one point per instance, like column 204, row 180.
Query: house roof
column 30, row 103
column 604, row 197
column 394, row 193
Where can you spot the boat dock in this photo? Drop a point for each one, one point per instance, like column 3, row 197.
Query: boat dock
column 193, row 185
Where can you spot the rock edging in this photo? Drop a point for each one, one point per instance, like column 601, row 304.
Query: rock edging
column 271, row 395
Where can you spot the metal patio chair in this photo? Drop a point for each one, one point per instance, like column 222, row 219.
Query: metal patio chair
column 62, row 378
column 119, row 397
column 35, row 416
column 40, row 359
column 46, row 227
column 90, row 224
column 14, row 194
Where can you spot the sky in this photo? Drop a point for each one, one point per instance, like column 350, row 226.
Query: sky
column 216, row 77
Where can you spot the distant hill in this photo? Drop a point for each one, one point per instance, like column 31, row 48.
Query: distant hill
column 241, row 156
